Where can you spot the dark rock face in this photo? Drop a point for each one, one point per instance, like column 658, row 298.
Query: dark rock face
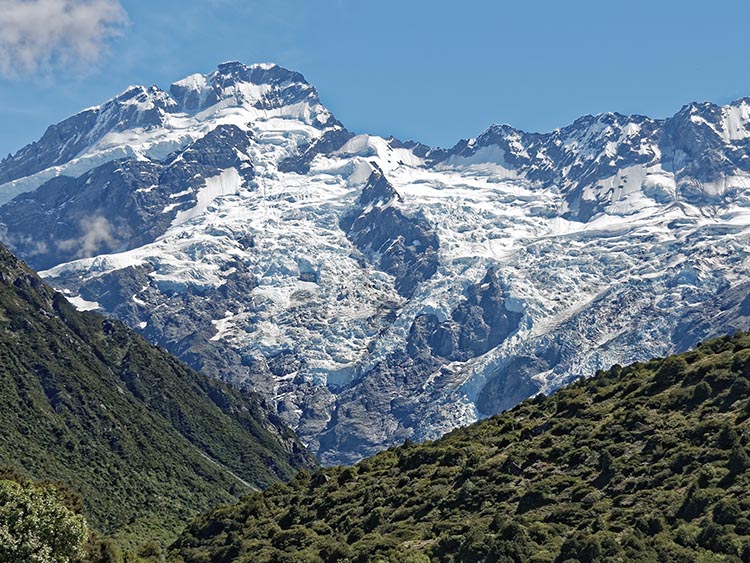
column 383, row 407
column 405, row 247
column 100, row 212
column 182, row 322
column 511, row 385
column 217, row 149
column 477, row 325
column 728, row 312
column 119, row 205
column 332, row 140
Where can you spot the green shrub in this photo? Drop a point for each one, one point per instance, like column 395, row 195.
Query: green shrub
column 37, row 527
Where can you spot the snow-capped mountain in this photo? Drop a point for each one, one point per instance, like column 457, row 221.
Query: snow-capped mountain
column 376, row 290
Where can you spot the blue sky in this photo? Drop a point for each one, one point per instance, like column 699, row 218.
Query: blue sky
column 434, row 71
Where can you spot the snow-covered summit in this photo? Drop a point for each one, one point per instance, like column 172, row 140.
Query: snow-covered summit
column 147, row 122
column 264, row 86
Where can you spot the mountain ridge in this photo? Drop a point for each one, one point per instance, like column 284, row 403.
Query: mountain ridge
column 141, row 107
column 277, row 250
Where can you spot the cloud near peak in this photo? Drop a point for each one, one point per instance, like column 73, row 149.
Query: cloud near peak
column 42, row 35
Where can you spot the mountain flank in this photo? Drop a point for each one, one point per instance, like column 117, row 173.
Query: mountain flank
column 146, row 441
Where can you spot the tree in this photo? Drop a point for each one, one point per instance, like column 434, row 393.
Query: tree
column 701, row 392
column 671, row 370
column 728, row 437
column 37, row 527
column 582, row 547
column 739, row 461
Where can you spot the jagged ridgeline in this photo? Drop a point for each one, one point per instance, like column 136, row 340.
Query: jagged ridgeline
column 371, row 289
column 146, row 441
column 642, row 464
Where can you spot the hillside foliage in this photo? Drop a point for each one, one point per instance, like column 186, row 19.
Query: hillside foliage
column 647, row 463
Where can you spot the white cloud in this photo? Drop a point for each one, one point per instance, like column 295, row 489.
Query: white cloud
column 39, row 35
column 97, row 233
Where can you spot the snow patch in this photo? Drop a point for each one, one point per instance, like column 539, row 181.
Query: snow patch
column 228, row 182
column 81, row 304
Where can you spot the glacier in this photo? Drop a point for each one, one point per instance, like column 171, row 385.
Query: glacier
column 374, row 290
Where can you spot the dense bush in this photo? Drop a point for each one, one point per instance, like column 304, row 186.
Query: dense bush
column 36, row 526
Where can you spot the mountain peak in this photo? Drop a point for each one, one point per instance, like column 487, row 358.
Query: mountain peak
column 264, row 91
column 262, row 86
column 259, row 73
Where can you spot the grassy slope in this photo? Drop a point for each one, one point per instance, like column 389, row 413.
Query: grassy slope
column 645, row 463
column 87, row 402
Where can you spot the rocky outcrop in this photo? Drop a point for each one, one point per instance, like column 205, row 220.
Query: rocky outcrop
column 332, row 140
column 120, row 205
column 403, row 246
column 479, row 324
